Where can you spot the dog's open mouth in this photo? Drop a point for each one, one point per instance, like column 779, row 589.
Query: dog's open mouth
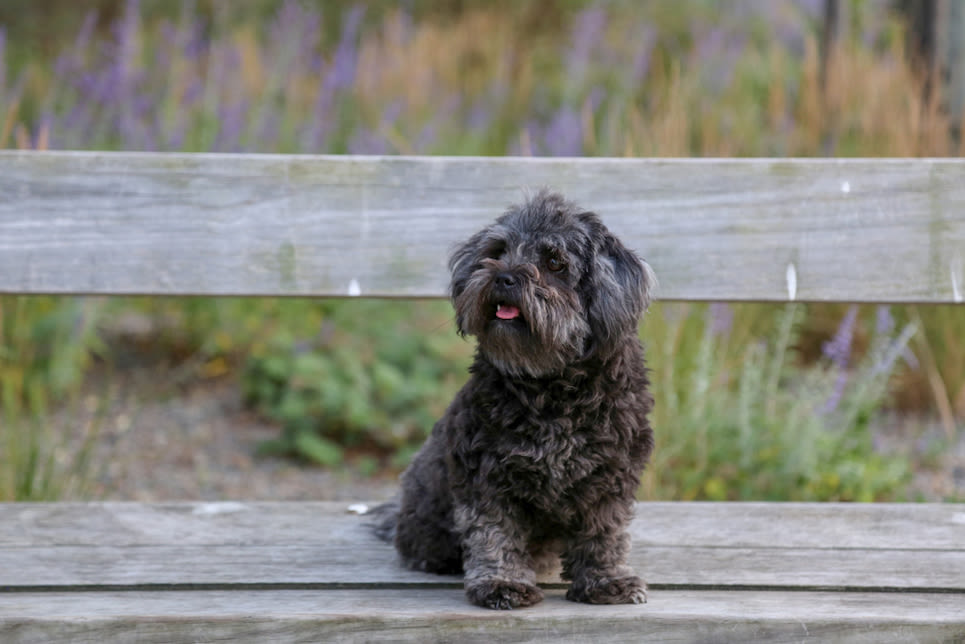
column 507, row 312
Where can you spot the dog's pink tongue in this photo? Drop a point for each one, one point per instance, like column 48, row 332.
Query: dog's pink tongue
column 504, row 312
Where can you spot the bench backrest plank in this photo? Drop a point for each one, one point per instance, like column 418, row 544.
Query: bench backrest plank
column 677, row 546
column 885, row 230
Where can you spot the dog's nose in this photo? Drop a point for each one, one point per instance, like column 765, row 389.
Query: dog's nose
column 506, row 280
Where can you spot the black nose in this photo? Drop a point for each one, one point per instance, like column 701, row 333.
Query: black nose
column 506, row 280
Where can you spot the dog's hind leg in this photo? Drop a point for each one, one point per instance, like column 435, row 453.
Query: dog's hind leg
column 424, row 532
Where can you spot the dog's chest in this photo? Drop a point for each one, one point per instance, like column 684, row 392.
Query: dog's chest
column 544, row 460
column 548, row 447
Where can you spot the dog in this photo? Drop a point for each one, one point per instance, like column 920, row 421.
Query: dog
column 538, row 457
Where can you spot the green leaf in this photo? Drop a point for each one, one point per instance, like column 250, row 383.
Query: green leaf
column 318, row 449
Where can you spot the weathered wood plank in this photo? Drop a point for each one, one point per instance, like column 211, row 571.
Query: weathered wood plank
column 317, row 545
column 935, row 526
column 320, row 565
column 432, row 615
column 840, row 230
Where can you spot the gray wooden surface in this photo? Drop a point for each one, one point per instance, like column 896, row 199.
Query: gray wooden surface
column 769, row 230
column 312, row 572
column 884, row 230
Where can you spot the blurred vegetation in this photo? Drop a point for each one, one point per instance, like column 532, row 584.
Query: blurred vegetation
column 742, row 409
column 742, row 419
column 375, row 376
column 46, row 345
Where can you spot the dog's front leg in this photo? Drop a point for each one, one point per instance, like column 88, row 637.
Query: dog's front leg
column 594, row 560
column 499, row 571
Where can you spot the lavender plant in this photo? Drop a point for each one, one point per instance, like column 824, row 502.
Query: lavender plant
column 743, row 420
column 692, row 78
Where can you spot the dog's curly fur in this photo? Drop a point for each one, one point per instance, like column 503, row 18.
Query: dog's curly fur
column 539, row 455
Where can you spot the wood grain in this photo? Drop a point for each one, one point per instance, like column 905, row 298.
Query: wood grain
column 318, row 545
column 883, row 230
column 935, row 526
column 296, row 572
column 442, row 615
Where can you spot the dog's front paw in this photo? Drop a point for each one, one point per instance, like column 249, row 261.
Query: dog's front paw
column 503, row 595
column 609, row 590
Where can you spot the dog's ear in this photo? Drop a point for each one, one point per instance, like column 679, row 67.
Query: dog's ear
column 465, row 259
column 618, row 288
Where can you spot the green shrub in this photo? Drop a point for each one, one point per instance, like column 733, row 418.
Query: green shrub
column 372, row 379
column 763, row 427
column 45, row 346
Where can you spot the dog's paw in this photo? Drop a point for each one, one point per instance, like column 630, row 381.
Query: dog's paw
column 609, row 590
column 503, row 595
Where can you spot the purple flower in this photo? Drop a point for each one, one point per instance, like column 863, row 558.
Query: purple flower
column 589, row 28
column 231, row 124
column 721, row 316
column 884, row 322
column 641, row 59
column 125, row 37
column 365, row 141
column 342, row 73
column 192, row 93
column 838, row 351
column 338, row 77
column 480, row 117
column 194, row 43
column 563, row 136
column 717, row 52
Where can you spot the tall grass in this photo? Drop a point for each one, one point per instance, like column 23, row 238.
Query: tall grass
column 45, row 346
column 700, row 79
column 740, row 417
column 690, row 78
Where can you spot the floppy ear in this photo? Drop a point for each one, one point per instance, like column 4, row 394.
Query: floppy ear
column 618, row 290
column 464, row 260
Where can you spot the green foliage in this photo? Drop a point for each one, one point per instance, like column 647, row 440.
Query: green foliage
column 377, row 377
column 740, row 411
column 45, row 346
column 743, row 421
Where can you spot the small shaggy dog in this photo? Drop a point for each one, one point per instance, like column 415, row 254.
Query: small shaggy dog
column 537, row 459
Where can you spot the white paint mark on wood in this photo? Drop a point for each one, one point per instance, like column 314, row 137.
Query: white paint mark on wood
column 791, row 276
column 959, row 517
column 358, row 508
column 224, row 507
column 956, row 271
column 845, row 187
column 354, row 290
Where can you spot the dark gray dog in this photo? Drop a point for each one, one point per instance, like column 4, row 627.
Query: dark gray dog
column 539, row 456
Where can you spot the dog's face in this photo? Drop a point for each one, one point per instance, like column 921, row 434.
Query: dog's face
column 545, row 286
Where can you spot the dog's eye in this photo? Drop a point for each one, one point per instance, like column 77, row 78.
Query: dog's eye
column 555, row 264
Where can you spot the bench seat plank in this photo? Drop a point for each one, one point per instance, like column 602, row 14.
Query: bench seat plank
column 934, row 526
column 322, row 565
column 319, row 545
column 874, row 230
column 433, row 614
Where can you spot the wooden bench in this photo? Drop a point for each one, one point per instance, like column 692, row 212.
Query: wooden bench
column 757, row 230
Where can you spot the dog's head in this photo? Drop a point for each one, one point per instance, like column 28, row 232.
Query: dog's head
column 547, row 285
